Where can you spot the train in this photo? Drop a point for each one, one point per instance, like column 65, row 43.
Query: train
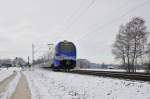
column 64, row 56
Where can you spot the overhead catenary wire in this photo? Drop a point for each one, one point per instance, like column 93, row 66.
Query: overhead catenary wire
column 76, row 11
column 38, row 50
column 124, row 4
column 84, row 11
column 74, row 14
column 114, row 20
column 80, row 15
column 87, row 8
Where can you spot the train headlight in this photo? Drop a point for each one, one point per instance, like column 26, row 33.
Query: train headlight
column 68, row 62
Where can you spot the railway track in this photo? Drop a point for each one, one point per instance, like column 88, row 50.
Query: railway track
column 113, row 74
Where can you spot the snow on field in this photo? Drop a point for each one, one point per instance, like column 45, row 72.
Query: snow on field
column 4, row 72
column 46, row 84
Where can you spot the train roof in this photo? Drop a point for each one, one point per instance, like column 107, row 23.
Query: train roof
column 65, row 41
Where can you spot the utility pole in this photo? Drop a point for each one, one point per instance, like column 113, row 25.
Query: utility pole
column 49, row 45
column 28, row 60
column 32, row 53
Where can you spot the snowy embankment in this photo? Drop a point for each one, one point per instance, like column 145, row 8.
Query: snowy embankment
column 9, row 79
column 56, row 85
column 10, row 89
column 4, row 72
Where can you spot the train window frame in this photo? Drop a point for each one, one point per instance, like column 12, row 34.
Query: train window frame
column 65, row 49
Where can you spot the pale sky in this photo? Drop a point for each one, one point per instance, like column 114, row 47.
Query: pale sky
column 91, row 24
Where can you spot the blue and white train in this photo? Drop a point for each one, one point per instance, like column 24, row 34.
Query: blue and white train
column 64, row 56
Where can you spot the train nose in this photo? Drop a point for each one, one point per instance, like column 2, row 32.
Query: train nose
column 68, row 62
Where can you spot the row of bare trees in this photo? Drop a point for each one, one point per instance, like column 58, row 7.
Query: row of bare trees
column 147, row 63
column 131, row 47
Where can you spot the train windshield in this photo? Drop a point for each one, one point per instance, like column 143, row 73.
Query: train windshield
column 67, row 47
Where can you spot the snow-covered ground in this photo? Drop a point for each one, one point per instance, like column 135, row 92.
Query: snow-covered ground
column 46, row 84
column 4, row 72
column 10, row 88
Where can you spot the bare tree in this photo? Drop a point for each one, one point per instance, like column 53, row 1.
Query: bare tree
column 130, row 43
column 119, row 47
column 136, row 29
column 147, row 63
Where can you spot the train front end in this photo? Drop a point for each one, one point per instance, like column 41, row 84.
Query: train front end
column 65, row 56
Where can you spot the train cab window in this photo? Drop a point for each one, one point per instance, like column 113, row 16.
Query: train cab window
column 66, row 47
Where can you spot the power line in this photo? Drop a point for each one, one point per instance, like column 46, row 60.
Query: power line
column 117, row 9
column 80, row 15
column 76, row 11
column 37, row 50
column 116, row 19
column 84, row 11
column 32, row 53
